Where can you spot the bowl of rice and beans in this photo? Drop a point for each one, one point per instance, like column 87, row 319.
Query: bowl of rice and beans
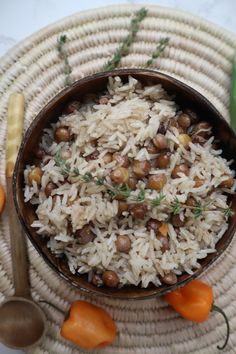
column 125, row 183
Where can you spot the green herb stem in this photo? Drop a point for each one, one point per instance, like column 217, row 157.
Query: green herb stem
column 61, row 41
column 123, row 49
column 159, row 50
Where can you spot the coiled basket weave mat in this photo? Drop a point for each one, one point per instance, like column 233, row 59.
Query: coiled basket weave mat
column 199, row 54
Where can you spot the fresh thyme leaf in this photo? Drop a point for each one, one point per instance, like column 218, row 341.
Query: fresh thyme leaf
column 159, row 50
column 87, row 177
column 141, row 195
column 123, row 191
column 57, row 158
column 64, row 56
column 111, row 193
column 123, row 49
column 176, row 206
column 198, row 209
column 228, row 212
column 100, row 181
column 157, row 201
column 76, row 171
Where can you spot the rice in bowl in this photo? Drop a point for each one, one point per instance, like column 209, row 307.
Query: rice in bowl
column 130, row 189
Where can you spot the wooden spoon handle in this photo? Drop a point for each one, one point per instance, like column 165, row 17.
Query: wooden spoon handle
column 15, row 122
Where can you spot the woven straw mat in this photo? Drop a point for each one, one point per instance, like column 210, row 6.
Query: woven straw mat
column 199, row 54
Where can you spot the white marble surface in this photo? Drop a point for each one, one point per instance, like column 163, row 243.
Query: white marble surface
column 20, row 18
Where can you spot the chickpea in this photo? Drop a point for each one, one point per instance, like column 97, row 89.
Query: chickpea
column 122, row 206
column 110, row 279
column 184, row 139
column 184, row 120
column 190, row 202
column 160, row 142
column 182, row 168
column 141, row 168
column 72, row 107
column 39, row 153
column 198, row 182
column 153, row 224
column 49, row 188
column 107, row 158
column 132, row 183
column 121, row 160
column 170, row 278
column 227, row 183
column 203, row 129
column 157, row 182
column 176, row 221
column 138, row 211
column 84, row 235
column 151, row 148
column 35, row 175
column 165, row 246
column 97, row 280
column 163, row 160
column 198, row 139
column 120, row 175
column 62, row 134
column 123, row 244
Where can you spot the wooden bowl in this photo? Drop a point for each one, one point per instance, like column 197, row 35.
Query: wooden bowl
column 186, row 97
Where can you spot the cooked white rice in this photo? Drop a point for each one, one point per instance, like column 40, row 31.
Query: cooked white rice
column 127, row 123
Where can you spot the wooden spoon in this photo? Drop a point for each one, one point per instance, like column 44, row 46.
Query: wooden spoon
column 22, row 321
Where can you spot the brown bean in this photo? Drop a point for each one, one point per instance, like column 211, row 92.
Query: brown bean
column 182, row 168
column 120, row 175
column 162, row 128
column 227, row 183
column 172, row 123
column 39, row 153
column 176, row 221
column 84, row 235
column 165, row 246
column 198, row 182
column 123, row 244
column 170, row 278
column 191, row 202
column 35, row 175
column 160, row 142
column 62, row 134
column 107, row 158
column 121, row 160
column 184, row 120
column 163, row 160
column 49, row 188
column 198, row 139
column 151, row 148
column 181, row 130
column 138, row 211
column 72, row 107
column 97, row 280
column 157, row 182
column 153, row 224
column 103, row 100
column 141, row 168
column 132, row 183
column 92, row 156
column 122, row 206
column 193, row 116
column 203, row 129
column 110, row 279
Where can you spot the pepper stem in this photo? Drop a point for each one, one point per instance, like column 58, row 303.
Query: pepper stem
column 218, row 309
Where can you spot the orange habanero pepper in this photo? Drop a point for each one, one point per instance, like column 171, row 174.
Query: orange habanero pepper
column 194, row 302
column 88, row 326
column 2, row 198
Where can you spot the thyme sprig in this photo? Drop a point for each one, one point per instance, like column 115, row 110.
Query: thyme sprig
column 198, row 209
column 64, row 56
column 228, row 212
column 157, row 201
column 123, row 49
column 176, row 206
column 159, row 50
